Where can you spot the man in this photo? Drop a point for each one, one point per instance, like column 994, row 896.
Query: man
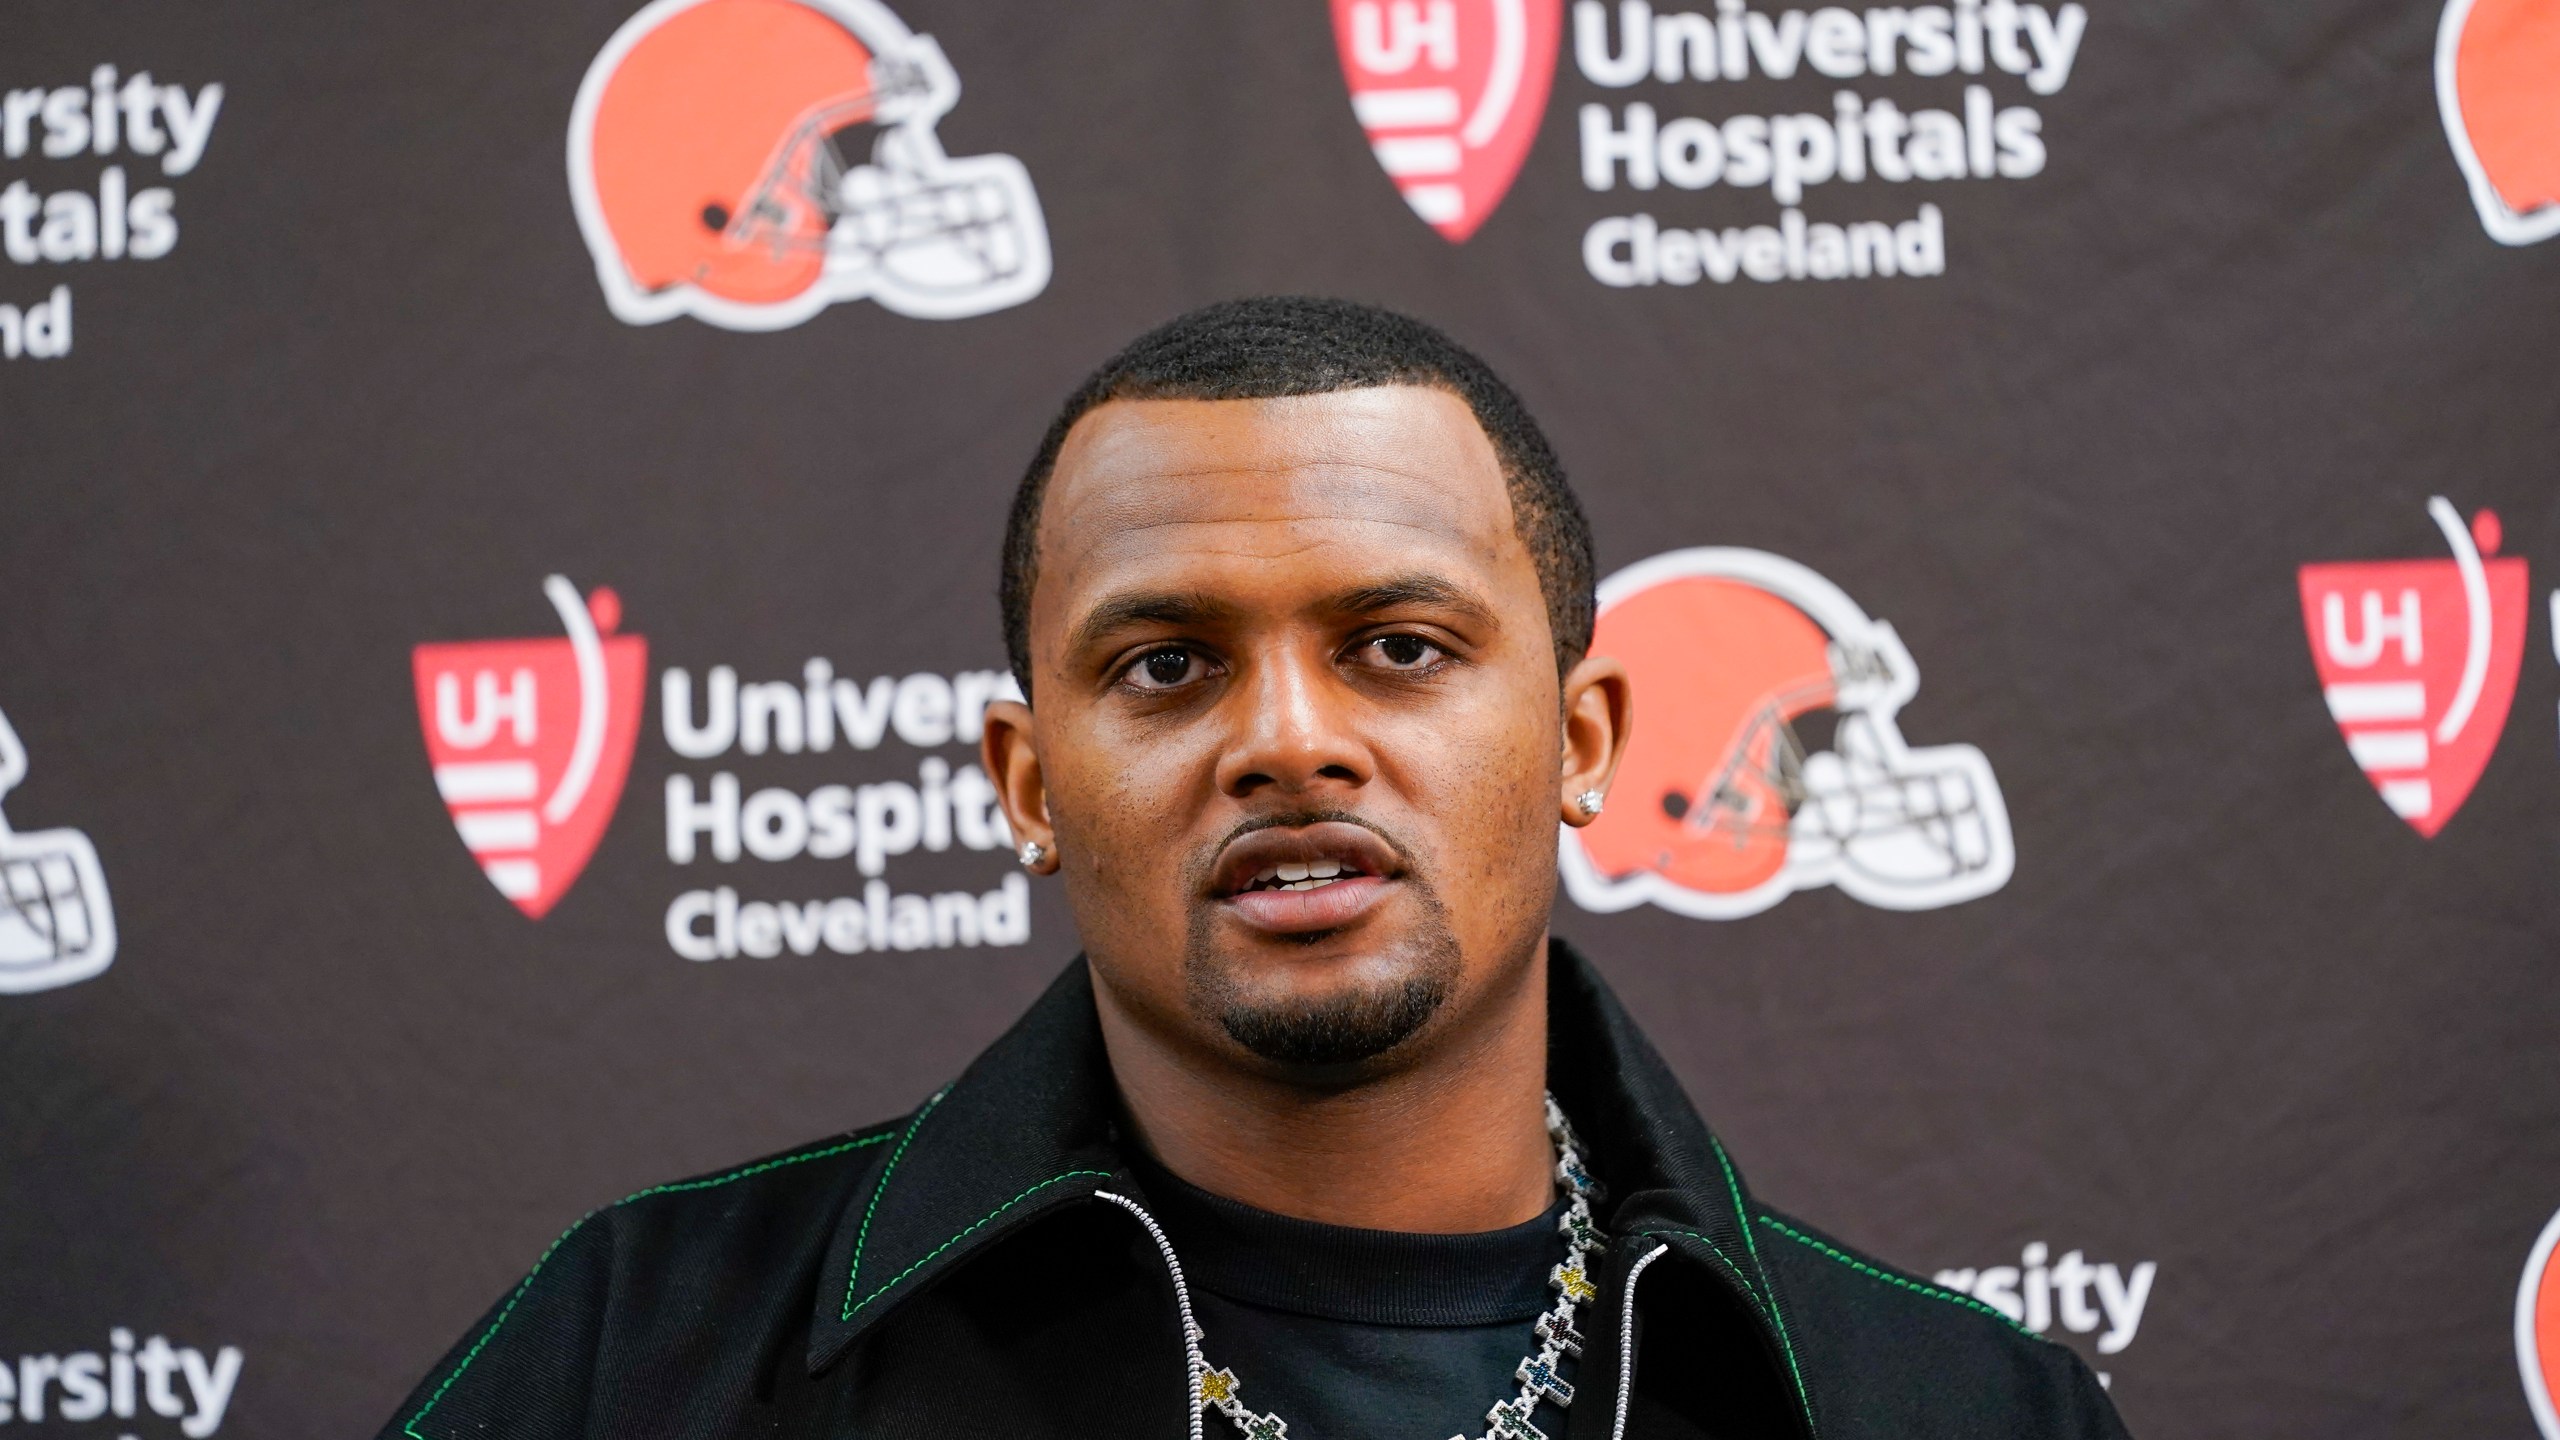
column 1300, row 601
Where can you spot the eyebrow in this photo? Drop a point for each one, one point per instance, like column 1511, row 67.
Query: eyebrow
column 1161, row 607
column 1415, row 588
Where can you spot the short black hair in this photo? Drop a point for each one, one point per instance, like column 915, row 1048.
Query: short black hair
column 1266, row 347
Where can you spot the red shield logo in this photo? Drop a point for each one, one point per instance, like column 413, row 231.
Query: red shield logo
column 2498, row 87
column 2418, row 661
column 1451, row 92
column 531, row 741
column 2538, row 1329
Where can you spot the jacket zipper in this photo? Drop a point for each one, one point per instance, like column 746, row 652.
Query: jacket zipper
column 1193, row 1365
column 1627, row 1338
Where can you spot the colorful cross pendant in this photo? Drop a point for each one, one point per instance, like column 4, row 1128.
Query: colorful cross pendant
column 1579, row 1229
column 1541, row 1382
column 1572, row 1281
column 1557, row 1329
column 1509, row 1424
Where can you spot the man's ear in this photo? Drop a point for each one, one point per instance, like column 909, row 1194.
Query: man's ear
column 1599, row 713
column 1012, row 759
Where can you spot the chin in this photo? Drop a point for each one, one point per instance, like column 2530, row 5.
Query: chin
column 1326, row 1002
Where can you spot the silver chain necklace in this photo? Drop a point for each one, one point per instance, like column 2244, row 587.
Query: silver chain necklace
column 1557, row 1338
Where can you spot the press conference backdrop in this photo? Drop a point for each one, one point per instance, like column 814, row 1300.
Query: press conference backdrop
column 500, row 523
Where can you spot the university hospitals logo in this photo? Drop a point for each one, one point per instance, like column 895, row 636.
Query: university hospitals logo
column 2538, row 1329
column 751, row 162
column 531, row 741
column 1450, row 92
column 2418, row 661
column 1728, row 801
column 2498, row 87
column 56, row 924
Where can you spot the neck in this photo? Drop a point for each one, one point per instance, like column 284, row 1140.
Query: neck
column 1453, row 1140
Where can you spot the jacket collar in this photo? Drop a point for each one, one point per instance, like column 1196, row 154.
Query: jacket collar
column 1033, row 1124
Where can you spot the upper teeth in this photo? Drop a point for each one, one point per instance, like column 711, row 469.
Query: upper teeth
column 1299, row 876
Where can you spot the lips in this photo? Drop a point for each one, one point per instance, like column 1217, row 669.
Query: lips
column 1297, row 878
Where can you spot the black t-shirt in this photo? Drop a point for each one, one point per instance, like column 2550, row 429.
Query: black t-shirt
column 1346, row 1333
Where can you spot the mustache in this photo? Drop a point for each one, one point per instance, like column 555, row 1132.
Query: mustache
column 1207, row 860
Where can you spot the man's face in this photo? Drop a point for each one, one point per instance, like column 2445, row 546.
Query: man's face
column 1297, row 740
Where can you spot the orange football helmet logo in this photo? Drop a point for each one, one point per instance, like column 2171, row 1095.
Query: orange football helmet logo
column 750, row 162
column 1726, row 801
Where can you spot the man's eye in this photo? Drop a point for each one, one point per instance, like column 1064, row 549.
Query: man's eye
column 1165, row 669
column 1404, row 652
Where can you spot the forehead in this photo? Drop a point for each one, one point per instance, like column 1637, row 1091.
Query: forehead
column 1146, row 491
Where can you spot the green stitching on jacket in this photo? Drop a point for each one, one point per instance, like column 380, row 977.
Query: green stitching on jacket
column 1761, row 1292
column 1768, row 1287
column 492, row 1332
column 863, row 1236
column 1740, row 1278
column 852, row 1305
column 1733, row 1186
column 411, row 1427
column 1914, row 1286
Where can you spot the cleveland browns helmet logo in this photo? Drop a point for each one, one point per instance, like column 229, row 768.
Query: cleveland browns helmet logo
column 2498, row 86
column 750, row 162
column 1728, row 801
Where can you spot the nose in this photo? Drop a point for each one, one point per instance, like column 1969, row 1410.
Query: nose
column 1296, row 731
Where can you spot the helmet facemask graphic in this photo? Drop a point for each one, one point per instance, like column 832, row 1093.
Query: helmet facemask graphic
column 1784, row 768
column 56, row 923
column 919, row 224
column 1895, row 826
column 749, row 162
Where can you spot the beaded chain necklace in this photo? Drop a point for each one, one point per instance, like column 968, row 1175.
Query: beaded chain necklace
column 1557, row 1338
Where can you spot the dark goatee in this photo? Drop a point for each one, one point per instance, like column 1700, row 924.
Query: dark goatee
column 1341, row 1029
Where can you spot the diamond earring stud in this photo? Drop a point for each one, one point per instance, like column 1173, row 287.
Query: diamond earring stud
column 1031, row 854
column 1589, row 803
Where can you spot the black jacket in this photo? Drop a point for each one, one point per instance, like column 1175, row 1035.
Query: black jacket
column 950, row 1275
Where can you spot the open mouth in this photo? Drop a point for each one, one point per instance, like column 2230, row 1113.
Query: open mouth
column 1315, row 875
column 1294, row 879
column 1300, row 858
